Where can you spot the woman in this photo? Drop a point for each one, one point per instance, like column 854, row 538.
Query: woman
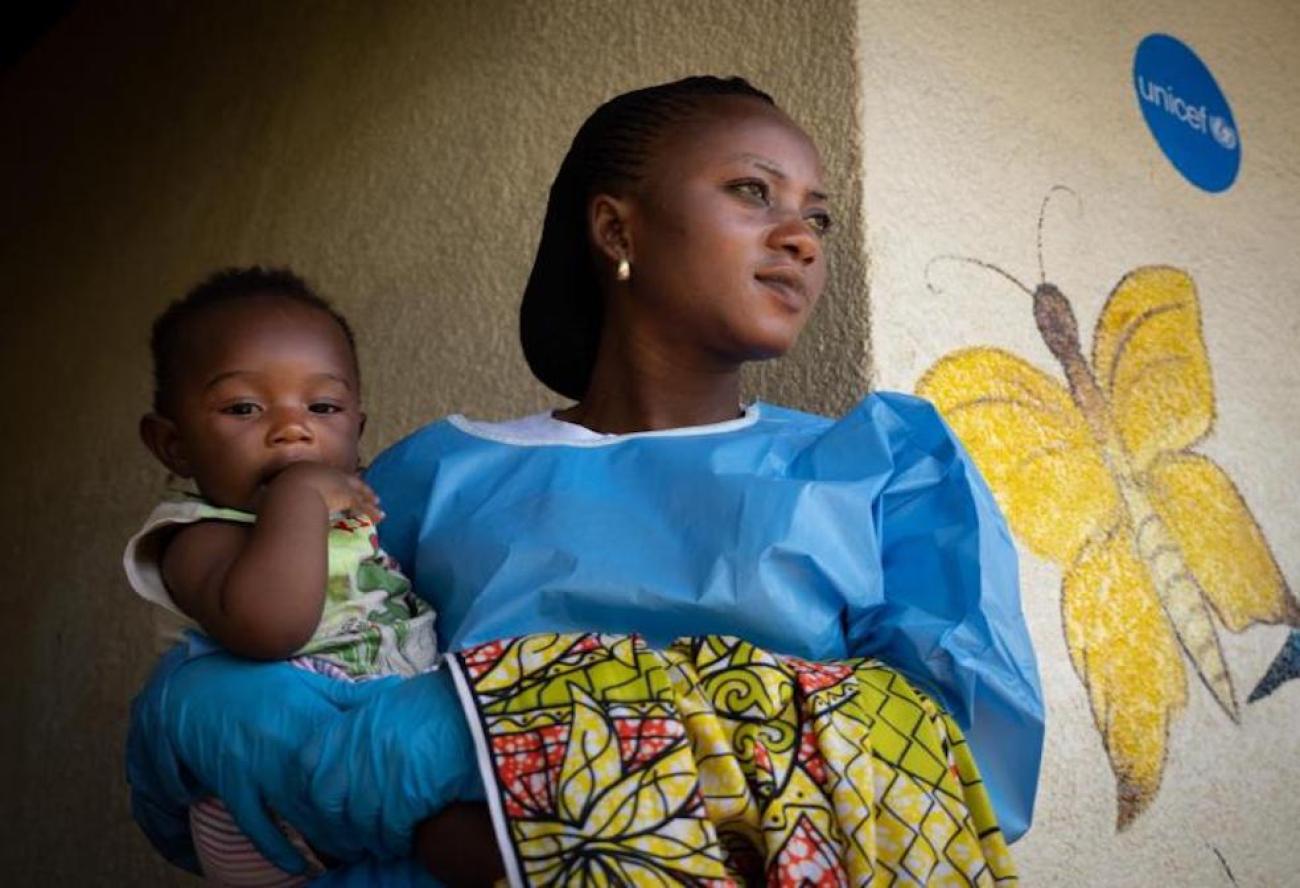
column 683, row 238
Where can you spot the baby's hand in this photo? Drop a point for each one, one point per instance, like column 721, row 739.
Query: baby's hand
column 341, row 491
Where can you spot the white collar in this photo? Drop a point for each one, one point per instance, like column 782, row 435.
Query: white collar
column 543, row 428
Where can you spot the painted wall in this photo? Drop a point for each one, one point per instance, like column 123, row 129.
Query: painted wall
column 399, row 155
column 972, row 114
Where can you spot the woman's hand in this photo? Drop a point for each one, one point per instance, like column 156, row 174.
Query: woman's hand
column 354, row 766
column 378, row 770
column 215, row 724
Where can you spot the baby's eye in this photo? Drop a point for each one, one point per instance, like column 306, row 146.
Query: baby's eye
column 241, row 408
column 821, row 223
column 753, row 189
column 325, row 407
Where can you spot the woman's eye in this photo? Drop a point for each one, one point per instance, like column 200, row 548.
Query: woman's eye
column 325, row 407
column 820, row 223
column 242, row 408
column 753, row 189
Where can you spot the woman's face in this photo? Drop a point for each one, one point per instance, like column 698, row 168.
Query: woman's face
column 724, row 233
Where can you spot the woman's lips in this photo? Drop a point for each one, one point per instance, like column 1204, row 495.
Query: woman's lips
column 787, row 285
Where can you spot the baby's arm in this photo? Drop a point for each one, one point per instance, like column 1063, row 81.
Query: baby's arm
column 258, row 590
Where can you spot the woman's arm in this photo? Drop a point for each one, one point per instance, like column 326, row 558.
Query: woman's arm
column 951, row 617
column 258, row 590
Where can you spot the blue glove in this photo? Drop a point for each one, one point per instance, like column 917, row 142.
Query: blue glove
column 160, row 788
column 208, row 723
column 354, row 777
column 378, row 770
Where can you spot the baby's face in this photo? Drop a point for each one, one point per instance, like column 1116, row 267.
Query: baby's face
column 267, row 381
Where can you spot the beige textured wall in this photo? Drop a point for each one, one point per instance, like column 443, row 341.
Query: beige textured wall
column 972, row 112
column 398, row 154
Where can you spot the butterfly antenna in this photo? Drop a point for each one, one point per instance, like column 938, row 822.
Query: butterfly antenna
column 949, row 257
column 1042, row 213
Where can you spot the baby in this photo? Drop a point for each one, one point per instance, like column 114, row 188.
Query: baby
column 257, row 400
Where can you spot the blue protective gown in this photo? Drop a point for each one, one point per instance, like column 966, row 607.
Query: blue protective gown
column 871, row 535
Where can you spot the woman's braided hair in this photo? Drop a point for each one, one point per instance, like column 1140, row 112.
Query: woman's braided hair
column 562, row 310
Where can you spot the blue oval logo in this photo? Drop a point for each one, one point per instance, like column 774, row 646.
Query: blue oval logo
column 1187, row 112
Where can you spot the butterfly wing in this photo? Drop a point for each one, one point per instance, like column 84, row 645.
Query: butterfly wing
column 1032, row 445
column 1122, row 648
column 1149, row 358
column 1220, row 540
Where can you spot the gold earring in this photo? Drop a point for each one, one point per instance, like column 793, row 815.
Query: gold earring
column 624, row 270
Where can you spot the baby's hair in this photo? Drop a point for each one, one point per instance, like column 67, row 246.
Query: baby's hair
column 224, row 287
column 609, row 152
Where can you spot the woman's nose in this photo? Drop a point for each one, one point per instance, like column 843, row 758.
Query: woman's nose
column 794, row 238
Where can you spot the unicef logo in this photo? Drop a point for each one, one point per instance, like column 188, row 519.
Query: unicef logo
column 1223, row 134
column 1186, row 112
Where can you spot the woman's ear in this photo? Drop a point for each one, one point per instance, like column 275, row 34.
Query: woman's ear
column 160, row 435
column 609, row 220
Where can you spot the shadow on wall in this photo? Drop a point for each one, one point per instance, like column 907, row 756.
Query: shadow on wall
column 1098, row 476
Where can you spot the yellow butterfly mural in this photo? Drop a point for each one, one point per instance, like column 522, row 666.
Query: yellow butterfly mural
column 1097, row 475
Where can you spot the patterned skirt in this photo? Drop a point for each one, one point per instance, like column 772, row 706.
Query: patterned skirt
column 716, row 763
